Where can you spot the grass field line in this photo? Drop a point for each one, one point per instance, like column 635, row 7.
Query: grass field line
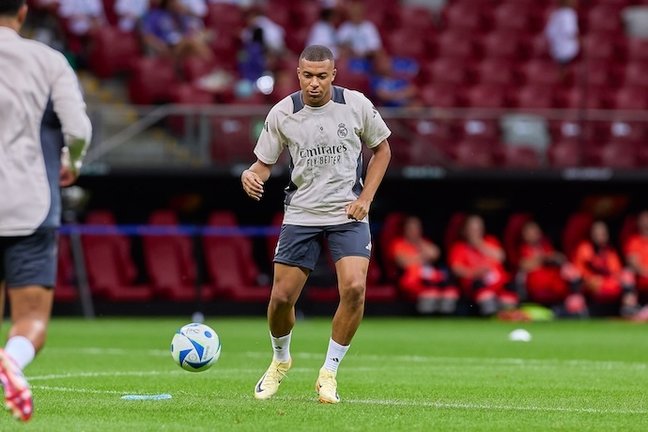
column 401, row 403
column 493, row 361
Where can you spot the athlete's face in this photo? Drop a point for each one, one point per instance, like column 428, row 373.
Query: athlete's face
column 531, row 233
column 315, row 81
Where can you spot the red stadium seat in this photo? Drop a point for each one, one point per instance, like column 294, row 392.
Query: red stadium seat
column 230, row 263
column 591, row 98
column 464, row 16
column 473, row 154
column 604, row 19
column 353, row 81
column 534, row 96
column 378, row 291
column 520, row 157
column 629, row 227
column 448, row 71
column 456, row 45
column 152, row 80
column 169, row 261
column 232, row 140
column 111, row 271
column 496, row 71
column 417, row 18
column 636, row 74
column 514, row 16
column 112, row 51
column 224, row 16
column 406, row 43
column 564, row 154
column 621, row 155
column 513, row 236
column 390, row 230
column 453, row 230
column 487, row 96
column 541, row 72
column 502, row 44
column 637, row 49
column 65, row 290
column 597, row 46
column 479, row 130
column 631, row 98
column 441, row 95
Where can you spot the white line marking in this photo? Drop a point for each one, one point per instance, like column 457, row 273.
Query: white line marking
column 399, row 403
column 480, row 361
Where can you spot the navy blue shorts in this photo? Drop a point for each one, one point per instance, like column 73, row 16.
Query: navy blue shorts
column 300, row 245
column 29, row 260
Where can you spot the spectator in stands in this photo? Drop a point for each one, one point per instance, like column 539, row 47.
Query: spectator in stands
column 388, row 87
column 546, row 275
column 197, row 8
column 421, row 278
column 263, row 44
column 358, row 37
column 561, row 32
column 604, row 278
column 324, row 32
column 477, row 261
column 170, row 31
column 81, row 18
column 636, row 253
column 130, row 12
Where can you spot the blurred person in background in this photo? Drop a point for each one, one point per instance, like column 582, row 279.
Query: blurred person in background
column 358, row 38
column 605, row 280
column 129, row 12
column 562, row 32
column 324, row 128
column 44, row 132
column 546, row 275
column 477, row 260
column 390, row 88
column 636, row 254
column 170, row 31
column 263, row 44
column 324, row 32
column 197, row 8
column 81, row 18
column 421, row 277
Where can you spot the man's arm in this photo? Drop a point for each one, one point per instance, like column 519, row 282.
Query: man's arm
column 376, row 169
column 254, row 178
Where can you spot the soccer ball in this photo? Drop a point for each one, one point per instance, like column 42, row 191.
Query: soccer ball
column 195, row 347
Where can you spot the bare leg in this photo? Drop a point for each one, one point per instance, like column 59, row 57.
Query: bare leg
column 352, row 283
column 31, row 307
column 286, row 288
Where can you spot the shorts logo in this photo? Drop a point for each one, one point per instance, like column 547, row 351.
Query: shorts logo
column 342, row 131
column 368, row 247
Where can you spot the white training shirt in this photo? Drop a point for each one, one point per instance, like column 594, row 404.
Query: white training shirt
column 562, row 33
column 31, row 76
column 325, row 146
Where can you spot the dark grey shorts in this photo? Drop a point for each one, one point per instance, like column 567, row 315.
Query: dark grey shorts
column 300, row 245
column 29, row 260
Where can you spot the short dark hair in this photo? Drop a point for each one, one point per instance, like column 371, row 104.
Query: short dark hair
column 10, row 7
column 316, row 53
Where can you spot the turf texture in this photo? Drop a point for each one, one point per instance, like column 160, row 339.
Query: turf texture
column 400, row 375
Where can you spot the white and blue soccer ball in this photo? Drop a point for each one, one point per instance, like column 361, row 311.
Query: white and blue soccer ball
column 195, row 347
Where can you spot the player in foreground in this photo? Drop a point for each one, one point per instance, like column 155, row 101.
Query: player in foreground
column 324, row 128
column 41, row 109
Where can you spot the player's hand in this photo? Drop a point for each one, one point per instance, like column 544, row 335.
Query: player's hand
column 67, row 177
column 358, row 209
column 252, row 184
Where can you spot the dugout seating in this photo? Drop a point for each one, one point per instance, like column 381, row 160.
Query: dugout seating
column 112, row 273
column 169, row 261
column 230, row 266
column 513, row 236
column 65, row 290
column 576, row 229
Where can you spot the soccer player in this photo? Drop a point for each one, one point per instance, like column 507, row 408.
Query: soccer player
column 323, row 127
column 41, row 109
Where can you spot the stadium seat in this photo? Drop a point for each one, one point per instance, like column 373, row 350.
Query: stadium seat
column 151, row 81
column 377, row 290
column 637, row 49
column 636, row 74
column 513, row 16
column 621, row 155
column 416, row 18
column 479, row 130
column 541, row 72
column 473, row 154
column 66, row 289
column 224, row 16
column 505, row 45
column 519, row 157
column 169, row 260
column 453, row 229
column 465, row 17
column 631, row 98
column 112, row 51
column 230, row 263
column 391, row 229
column 456, row 45
column 441, row 95
column 576, row 229
column 628, row 229
column 487, row 96
column 600, row 47
column 565, row 154
column 232, row 140
column 604, row 19
column 591, row 98
column 407, row 43
column 111, row 271
column 448, row 71
column 534, row 96
column 496, row 71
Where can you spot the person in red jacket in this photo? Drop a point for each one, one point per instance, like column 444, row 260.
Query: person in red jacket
column 548, row 278
column 421, row 278
column 477, row 261
column 604, row 278
column 636, row 254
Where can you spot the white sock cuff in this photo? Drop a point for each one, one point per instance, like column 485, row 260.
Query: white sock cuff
column 21, row 350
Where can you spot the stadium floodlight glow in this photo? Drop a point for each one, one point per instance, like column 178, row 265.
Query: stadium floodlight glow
column 265, row 84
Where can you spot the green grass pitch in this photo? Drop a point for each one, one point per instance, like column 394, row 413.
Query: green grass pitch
column 400, row 375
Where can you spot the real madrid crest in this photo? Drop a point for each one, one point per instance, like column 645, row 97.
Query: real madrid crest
column 342, row 131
